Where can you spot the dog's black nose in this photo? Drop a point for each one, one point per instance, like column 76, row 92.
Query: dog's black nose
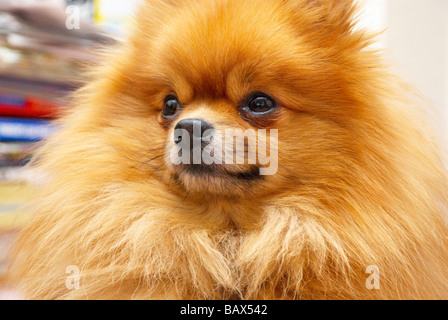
column 196, row 130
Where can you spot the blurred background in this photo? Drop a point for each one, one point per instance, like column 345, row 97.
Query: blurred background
column 415, row 39
column 45, row 43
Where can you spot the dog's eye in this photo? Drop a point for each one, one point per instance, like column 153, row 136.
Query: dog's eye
column 260, row 104
column 171, row 107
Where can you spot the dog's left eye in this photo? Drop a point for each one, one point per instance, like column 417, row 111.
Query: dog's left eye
column 171, row 107
column 260, row 104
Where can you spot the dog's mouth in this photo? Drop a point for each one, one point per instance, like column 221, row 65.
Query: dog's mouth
column 200, row 177
column 211, row 171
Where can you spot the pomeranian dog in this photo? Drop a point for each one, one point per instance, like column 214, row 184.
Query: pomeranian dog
column 348, row 201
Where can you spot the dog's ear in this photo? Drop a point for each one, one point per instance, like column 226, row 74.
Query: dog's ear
column 166, row 2
column 341, row 11
column 151, row 14
column 336, row 13
column 339, row 6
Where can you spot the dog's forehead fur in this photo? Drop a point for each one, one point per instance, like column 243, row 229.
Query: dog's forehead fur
column 225, row 55
column 214, row 43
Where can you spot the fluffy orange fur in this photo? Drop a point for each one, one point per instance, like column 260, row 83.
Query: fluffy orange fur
column 360, row 182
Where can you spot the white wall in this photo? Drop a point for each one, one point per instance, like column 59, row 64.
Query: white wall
column 373, row 14
column 416, row 39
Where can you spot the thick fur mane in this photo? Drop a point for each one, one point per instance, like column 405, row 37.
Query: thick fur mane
column 380, row 200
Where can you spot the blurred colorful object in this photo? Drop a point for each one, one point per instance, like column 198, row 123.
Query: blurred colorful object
column 114, row 15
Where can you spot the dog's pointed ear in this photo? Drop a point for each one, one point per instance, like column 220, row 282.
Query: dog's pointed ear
column 151, row 14
column 341, row 10
column 336, row 12
column 166, row 2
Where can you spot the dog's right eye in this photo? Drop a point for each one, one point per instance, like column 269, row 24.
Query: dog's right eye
column 171, row 107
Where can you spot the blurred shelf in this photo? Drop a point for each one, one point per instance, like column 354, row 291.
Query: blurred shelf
column 17, row 78
column 7, row 239
column 12, row 197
